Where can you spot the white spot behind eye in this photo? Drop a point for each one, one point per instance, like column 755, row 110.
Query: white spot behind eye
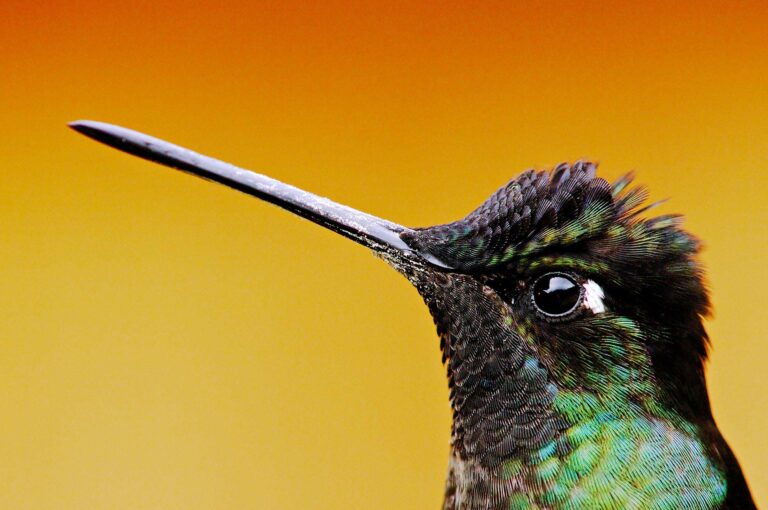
column 593, row 297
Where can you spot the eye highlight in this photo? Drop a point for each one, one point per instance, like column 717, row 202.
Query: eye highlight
column 556, row 294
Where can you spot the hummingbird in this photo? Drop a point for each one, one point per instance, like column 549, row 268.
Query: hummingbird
column 570, row 325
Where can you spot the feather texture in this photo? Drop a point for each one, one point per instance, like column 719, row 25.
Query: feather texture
column 604, row 406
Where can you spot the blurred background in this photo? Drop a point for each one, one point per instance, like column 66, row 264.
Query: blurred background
column 166, row 343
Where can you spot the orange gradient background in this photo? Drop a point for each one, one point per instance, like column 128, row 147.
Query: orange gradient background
column 167, row 343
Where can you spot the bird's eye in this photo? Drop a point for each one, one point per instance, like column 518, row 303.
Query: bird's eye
column 556, row 294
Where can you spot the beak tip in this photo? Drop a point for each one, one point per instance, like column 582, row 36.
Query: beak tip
column 88, row 128
column 78, row 125
column 108, row 134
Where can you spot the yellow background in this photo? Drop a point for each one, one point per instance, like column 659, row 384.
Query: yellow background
column 166, row 343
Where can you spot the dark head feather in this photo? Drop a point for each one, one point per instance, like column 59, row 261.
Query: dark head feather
column 570, row 219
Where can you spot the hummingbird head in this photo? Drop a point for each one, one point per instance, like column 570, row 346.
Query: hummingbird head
column 555, row 300
column 563, row 300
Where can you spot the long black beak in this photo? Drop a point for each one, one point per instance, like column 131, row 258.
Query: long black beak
column 375, row 233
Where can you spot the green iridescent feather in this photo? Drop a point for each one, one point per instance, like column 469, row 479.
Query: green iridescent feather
column 602, row 409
